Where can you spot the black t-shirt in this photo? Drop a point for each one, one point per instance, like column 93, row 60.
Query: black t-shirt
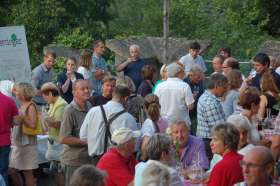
column 98, row 100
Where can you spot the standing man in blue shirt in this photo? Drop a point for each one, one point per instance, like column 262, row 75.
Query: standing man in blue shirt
column 43, row 73
column 99, row 66
column 193, row 58
column 133, row 65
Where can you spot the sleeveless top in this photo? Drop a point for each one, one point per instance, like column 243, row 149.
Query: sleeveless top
column 271, row 101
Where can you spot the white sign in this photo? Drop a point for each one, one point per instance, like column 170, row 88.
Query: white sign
column 14, row 57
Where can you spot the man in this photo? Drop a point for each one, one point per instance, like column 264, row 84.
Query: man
column 93, row 130
column 175, row 96
column 108, row 85
column 42, row 74
column 195, row 81
column 119, row 161
column 99, row 65
column 191, row 149
column 133, row 65
column 225, row 52
column 209, row 109
column 217, row 64
column 75, row 151
column 261, row 64
column 257, row 166
column 193, row 58
column 8, row 110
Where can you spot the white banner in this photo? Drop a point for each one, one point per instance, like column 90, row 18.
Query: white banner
column 14, row 57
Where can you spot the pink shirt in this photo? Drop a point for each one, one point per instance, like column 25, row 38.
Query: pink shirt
column 8, row 110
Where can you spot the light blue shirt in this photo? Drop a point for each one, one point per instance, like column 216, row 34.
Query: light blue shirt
column 230, row 102
column 98, row 63
column 189, row 62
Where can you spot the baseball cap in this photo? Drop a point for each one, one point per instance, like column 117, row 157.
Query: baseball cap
column 173, row 68
column 122, row 135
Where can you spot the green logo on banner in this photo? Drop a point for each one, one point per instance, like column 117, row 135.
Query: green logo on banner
column 14, row 39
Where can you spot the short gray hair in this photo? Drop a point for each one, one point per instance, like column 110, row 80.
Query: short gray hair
column 197, row 70
column 156, row 145
column 179, row 122
column 242, row 123
column 134, row 46
column 228, row 134
column 156, row 174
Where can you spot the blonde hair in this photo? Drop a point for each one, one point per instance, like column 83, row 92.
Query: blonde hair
column 26, row 90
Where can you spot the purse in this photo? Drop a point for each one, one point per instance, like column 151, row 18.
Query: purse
column 38, row 129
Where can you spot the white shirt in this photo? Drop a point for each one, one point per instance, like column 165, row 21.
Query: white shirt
column 175, row 96
column 93, row 128
column 188, row 61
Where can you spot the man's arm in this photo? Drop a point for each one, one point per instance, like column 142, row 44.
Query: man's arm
column 189, row 97
column 120, row 67
column 65, row 133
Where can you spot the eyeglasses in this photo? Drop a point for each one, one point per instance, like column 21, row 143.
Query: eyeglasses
column 250, row 165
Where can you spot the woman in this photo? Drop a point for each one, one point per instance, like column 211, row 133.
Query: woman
column 147, row 84
column 230, row 101
column 225, row 139
column 158, row 151
column 270, row 95
column 66, row 78
column 53, row 119
column 24, row 155
column 230, row 64
column 154, row 123
column 85, row 64
column 244, row 129
column 249, row 101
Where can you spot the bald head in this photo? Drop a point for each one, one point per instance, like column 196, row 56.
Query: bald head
column 262, row 153
column 257, row 166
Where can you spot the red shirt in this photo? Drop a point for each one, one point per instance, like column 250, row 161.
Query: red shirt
column 228, row 171
column 8, row 110
column 120, row 170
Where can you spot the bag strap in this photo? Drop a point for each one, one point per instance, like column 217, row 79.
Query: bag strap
column 107, row 126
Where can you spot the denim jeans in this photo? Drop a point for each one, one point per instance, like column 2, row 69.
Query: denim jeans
column 4, row 162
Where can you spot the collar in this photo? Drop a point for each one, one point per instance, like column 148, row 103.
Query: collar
column 212, row 95
column 95, row 56
column 187, row 147
column 77, row 107
column 174, row 79
column 114, row 104
column 45, row 69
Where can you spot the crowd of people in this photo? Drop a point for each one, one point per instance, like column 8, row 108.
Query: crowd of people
column 134, row 129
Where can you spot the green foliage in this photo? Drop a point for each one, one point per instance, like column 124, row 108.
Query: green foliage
column 77, row 38
column 59, row 65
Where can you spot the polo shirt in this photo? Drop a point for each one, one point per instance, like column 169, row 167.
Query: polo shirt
column 133, row 70
column 8, row 110
column 39, row 76
column 93, row 127
column 188, row 61
column 228, row 171
column 120, row 170
column 72, row 120
column 174, row 97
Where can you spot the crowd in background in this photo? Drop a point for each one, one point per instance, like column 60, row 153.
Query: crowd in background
column 136, row 129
